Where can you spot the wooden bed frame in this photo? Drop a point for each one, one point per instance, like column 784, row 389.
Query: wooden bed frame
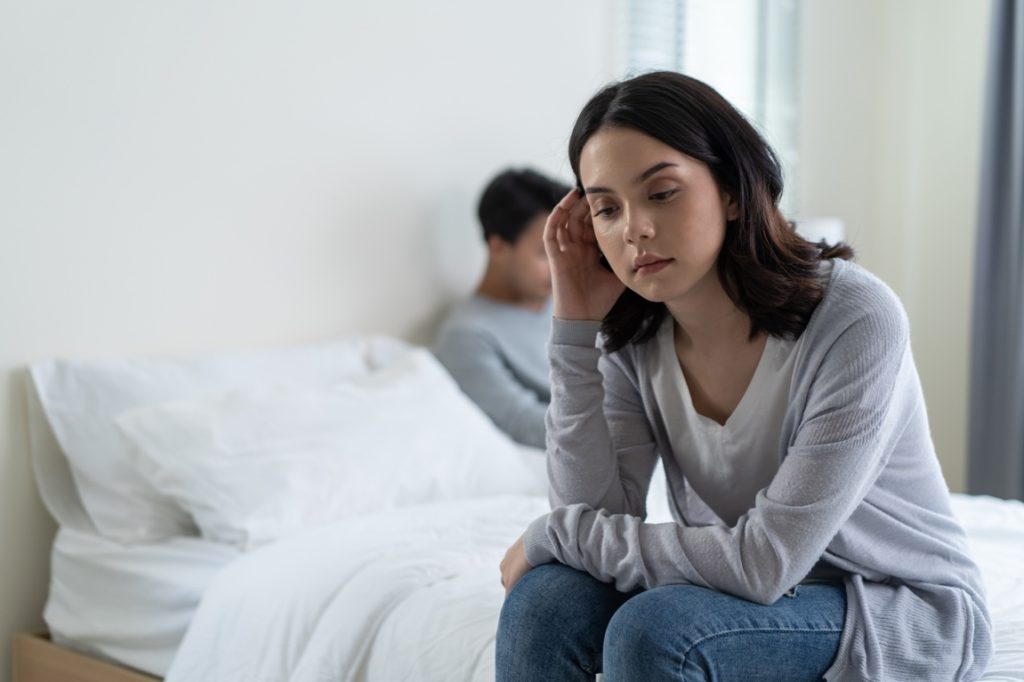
column 37, row 659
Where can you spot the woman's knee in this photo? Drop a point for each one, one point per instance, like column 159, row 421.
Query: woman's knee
column 548, row 596
column 530, row 602
column 690, row 633
column 638, row 645
column 555, row 613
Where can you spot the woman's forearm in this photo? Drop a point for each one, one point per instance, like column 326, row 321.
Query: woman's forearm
column 599, row 448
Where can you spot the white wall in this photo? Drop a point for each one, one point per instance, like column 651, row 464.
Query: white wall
column 186, row 176
column 891, row 104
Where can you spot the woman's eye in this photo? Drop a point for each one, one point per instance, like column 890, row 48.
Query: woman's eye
column 663, row 196
column 603, row 211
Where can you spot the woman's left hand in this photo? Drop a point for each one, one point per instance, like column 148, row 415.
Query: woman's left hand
column 514, row 566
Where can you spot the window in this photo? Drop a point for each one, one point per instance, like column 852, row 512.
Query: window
column 745, row 49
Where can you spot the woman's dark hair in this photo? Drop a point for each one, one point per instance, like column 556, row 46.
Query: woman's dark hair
column 514, row 198
column 767, row 269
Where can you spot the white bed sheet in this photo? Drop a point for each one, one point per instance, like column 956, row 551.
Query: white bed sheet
column 412, row 594
column 409, row 594
column 995, row 531
column 128, row 603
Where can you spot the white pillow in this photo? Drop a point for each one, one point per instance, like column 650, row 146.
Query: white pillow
column 81, row 398
column 255, row 465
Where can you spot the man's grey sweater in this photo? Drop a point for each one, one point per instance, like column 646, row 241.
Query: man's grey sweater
column 858, row 488
column 496, row 352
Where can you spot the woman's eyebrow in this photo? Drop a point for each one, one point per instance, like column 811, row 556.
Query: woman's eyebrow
column 652, row 170
column 640, row 178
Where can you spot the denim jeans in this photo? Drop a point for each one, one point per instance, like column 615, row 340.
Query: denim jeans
column 561, row 624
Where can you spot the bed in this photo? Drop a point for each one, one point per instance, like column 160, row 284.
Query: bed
column 403, row 589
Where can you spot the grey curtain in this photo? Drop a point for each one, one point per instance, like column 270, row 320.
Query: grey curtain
column 996, row 443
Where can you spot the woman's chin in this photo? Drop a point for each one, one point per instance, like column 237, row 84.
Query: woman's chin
column 654, row 294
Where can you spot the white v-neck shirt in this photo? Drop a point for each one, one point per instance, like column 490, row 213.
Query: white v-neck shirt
column 727, row 464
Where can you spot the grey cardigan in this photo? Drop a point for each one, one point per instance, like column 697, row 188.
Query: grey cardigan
column 858, row 488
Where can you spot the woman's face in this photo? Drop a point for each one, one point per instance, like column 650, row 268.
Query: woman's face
column 658, row 214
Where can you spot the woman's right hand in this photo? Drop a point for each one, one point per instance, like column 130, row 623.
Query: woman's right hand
column 582, row 288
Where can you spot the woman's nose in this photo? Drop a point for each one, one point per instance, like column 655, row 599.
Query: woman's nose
column 638, row 226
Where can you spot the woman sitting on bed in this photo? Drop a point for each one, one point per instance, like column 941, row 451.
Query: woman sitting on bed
column 774, row 379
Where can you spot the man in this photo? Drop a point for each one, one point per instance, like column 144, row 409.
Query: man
column 494, row 343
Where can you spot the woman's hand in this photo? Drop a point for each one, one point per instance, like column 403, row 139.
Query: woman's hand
column 582, row 288
column 514, row 566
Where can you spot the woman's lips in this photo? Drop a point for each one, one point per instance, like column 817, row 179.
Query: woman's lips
column 651, row 268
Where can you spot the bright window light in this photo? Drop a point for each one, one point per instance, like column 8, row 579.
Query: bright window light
column 745, row 49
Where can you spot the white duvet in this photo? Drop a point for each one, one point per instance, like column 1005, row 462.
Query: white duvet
column 410, row 594
column 414, row 594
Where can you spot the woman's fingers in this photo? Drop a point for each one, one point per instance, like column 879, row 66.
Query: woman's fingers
column 575, row 220
column 562, row 236
column 551, row 231
column 569, row 226
column 551, row 226
column 556, row 219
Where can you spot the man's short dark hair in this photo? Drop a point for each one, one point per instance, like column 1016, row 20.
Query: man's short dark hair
column 514, row 198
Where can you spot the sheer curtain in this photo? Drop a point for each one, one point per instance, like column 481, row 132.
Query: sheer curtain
column 996, row 446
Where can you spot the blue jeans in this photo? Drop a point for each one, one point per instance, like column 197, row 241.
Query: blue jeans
column 561, row 624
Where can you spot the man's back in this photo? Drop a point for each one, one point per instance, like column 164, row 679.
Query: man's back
column 497, row 352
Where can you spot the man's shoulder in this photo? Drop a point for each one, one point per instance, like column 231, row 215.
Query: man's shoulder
column 468, row 326
column 468, row 316
column 478, row 316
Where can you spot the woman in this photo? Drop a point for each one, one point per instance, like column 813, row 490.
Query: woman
column 774, row 379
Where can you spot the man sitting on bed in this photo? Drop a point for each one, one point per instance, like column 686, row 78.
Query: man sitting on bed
column 494, row 343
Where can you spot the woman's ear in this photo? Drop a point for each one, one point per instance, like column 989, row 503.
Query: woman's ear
column 732, row 209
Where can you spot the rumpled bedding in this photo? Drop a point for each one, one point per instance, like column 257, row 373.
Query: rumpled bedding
column 409, row 594
column 415, row 593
